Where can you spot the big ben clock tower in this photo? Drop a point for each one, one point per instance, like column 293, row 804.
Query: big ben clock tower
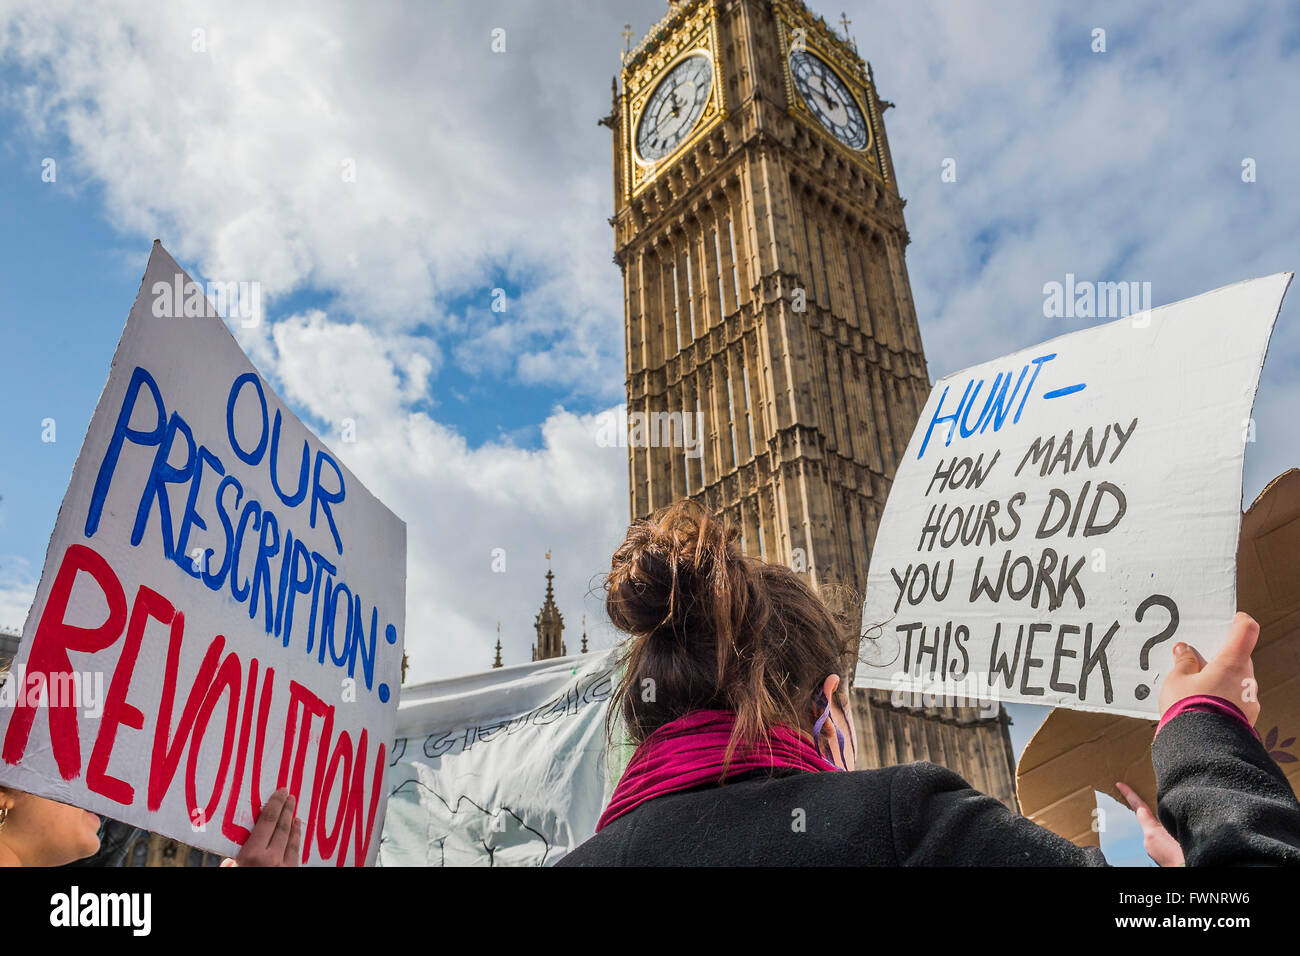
column 761, row 236
column 769, row 321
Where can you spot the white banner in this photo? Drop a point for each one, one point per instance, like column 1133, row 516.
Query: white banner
column 503, row 768
column 1062, row 516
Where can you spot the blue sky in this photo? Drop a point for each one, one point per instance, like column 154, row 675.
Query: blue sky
column 478, row 171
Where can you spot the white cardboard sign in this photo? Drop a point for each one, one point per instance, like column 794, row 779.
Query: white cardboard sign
column 1062, row 516
column 222, row 607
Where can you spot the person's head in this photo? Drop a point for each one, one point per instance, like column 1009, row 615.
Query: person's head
column 41, row 832
column 712, row 628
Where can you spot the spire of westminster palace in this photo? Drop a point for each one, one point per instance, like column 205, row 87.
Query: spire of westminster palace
column 549, row 623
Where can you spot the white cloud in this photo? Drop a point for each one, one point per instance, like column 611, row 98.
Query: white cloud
column 348, row 371
column 17, row 589
column 461, row 504
column 386, row 157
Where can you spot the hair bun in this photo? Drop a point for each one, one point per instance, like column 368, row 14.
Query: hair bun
column 665, row 561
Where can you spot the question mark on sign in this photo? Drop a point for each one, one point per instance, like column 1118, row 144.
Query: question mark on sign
column 1144, row 660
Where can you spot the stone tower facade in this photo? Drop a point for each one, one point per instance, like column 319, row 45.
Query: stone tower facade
column 774, row 361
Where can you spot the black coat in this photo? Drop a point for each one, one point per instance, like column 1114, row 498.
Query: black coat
column 1220, row 795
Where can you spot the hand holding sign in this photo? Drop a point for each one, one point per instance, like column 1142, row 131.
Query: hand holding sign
column 276, row 839
column 1230, row 675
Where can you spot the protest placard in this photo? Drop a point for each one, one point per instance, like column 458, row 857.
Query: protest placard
column 221, row 610
column 1062, row 516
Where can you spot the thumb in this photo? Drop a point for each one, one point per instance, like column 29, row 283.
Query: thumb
column 1241, row 641
column 1187, row 660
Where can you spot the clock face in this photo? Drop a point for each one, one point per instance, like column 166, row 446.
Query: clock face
column 674, row 108
column 829, row 99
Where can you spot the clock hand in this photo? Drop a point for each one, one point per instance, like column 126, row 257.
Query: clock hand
column 831, row 102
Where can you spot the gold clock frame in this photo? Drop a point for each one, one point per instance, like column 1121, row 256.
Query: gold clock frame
column 850, row 74
column 700, row 38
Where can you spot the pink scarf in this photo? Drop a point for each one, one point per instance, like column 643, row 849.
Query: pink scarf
column 688, row 751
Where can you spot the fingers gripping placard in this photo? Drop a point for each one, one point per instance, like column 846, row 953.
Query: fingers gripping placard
column 1064, row 515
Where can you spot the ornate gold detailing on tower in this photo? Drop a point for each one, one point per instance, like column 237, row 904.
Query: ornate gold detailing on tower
column 689, row 30
column 799, row 29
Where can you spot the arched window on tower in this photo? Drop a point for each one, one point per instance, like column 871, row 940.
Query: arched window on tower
column 749, row 413
column 717, row 262
column 731, row 424
column 735, row 268
column 677, row 322
column 690, row 294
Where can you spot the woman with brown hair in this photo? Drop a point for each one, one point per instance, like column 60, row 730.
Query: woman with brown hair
column 734, row 691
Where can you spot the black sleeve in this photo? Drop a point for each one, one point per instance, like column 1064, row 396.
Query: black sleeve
column 940, row 820
column 1221, row 795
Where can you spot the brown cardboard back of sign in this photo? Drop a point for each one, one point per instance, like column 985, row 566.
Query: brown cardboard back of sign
column 1075, row 753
